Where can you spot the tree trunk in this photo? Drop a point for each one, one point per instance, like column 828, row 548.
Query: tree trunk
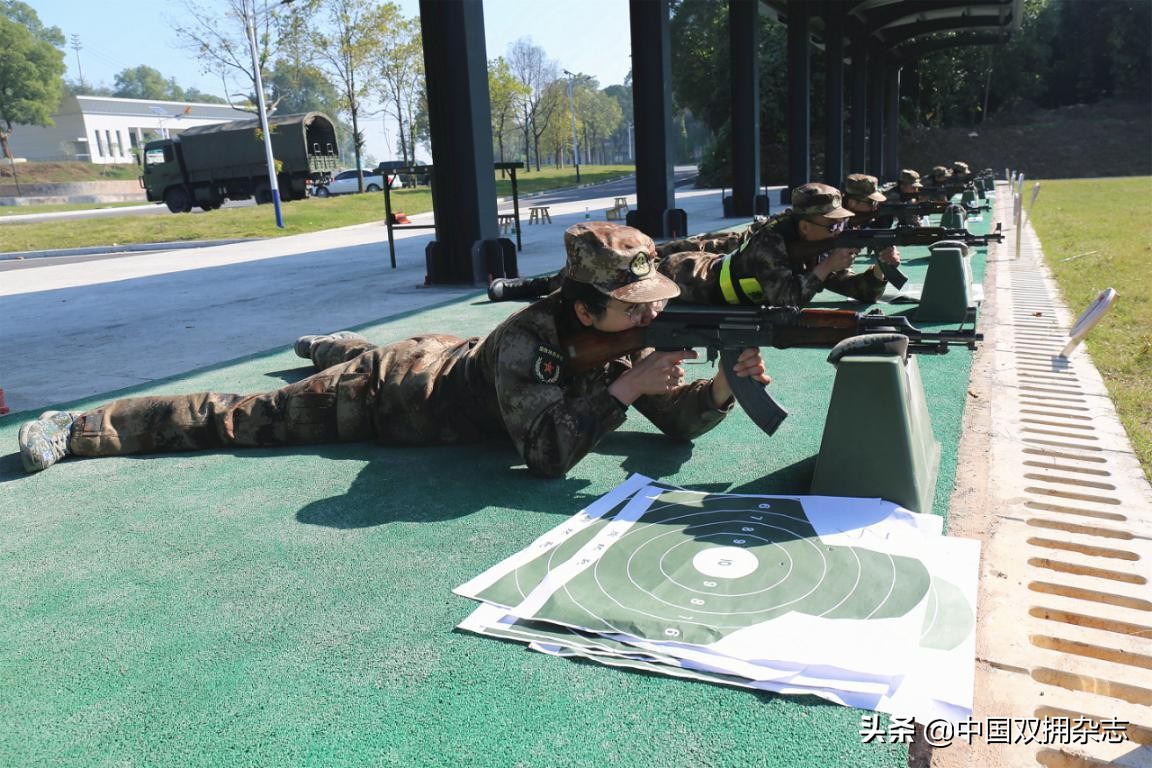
column 357, row 141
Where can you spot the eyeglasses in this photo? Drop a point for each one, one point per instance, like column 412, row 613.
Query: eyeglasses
column 636, row 312
column 834, row 227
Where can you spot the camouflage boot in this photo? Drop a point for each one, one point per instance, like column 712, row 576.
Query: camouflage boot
column 304, row 344
column 45, row 441
column 506, row 288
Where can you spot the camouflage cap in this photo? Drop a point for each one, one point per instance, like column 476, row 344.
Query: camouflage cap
column 817, row 199
column 910, row 177
column 863, row 187
column 960, row 169
column 940, row 170
column 616, row 260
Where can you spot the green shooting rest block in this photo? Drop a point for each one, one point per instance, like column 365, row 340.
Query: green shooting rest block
column 878, row 439
column 947, row 293
column 954, row 217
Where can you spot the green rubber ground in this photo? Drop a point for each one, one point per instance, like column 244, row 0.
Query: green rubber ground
column 295, row 608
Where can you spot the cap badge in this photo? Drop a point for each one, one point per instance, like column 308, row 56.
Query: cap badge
column 640, row 266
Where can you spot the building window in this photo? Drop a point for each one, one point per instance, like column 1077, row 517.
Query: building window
column 99, row 144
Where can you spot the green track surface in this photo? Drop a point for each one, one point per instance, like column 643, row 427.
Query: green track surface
column 294, row 607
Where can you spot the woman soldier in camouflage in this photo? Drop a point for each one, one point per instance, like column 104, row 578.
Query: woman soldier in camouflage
column 782, row 261
column 438, row 389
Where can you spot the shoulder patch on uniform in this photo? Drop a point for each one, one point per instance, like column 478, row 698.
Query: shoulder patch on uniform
column 546, row 365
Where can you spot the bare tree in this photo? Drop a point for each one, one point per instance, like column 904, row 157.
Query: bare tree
column 401, row 71
column 220, row 42
column 347, row 50
column 536, row 72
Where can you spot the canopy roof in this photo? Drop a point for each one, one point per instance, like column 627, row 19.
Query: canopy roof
column 906, row 29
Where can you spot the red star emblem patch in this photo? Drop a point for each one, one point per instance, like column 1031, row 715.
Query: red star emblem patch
column 546, row 366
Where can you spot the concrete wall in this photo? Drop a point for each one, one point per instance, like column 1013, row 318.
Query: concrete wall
column 73, row 192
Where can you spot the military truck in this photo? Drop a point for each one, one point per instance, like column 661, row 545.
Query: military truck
column 206, row 165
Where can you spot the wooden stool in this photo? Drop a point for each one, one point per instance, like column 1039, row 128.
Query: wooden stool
column 621, row 204
column 506, row 221
column 538, row 214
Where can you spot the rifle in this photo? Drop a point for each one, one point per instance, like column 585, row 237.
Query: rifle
column 925, row 207
column 728, row 330
column 948, row 189
column 877, row 240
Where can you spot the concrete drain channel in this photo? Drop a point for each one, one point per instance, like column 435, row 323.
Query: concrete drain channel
column 1048, row 481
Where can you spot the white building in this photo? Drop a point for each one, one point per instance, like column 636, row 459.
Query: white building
column 104, row 129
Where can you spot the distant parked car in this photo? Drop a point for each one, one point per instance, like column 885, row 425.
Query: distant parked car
column 412, row 175
column 345, row 183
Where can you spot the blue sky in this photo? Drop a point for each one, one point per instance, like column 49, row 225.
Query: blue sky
column 588, row 36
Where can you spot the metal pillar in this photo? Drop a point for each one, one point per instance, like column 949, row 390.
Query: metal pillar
column 891, row 167
column 875, row 113
column 460, row 127
column 834, row 94
column 743, row 38
column 858, row 73
column 799, row 101
column 652, row 106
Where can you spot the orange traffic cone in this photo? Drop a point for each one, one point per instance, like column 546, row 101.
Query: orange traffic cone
column 3, row 406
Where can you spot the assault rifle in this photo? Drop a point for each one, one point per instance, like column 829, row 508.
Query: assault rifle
column 925, row 207
column 948, row 189
column 956, row 185
column 876, row 240
column 726, row 331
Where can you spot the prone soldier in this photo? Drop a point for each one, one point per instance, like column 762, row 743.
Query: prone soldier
column 437, row 389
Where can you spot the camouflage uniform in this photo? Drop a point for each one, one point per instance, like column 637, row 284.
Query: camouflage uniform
column 895, row 195
column 940, row 176
column 961, row 173
column 767, row 263
column 862, row 187
column 426, row 390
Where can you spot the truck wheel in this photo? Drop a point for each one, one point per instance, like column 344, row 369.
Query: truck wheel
column 178, row 200
column 320, row 192
column 263, row 194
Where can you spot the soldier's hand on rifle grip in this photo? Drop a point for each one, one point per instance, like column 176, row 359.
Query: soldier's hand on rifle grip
column 837, row 259
column 748, row 364
column 890, row 255
column 656, row 374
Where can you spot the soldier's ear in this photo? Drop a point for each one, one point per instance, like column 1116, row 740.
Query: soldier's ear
column 585, row 317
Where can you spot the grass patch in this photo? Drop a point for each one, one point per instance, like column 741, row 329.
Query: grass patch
column 22, row 210
column 1097, row 234
column 300, row 216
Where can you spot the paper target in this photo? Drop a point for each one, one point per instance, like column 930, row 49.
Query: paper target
column 697, row 573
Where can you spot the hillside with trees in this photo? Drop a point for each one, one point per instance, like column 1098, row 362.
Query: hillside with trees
column 1082, row 67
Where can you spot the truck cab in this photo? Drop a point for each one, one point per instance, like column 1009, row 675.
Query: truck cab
column 163, row 177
